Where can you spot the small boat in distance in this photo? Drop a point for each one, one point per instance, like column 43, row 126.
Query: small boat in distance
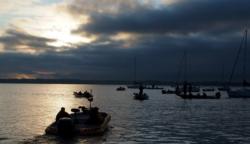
column 121, row 88
column 141, row 96
column 85, row 94
column 186, row 93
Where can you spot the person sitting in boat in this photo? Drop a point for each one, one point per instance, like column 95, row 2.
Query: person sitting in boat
column 141, row 90
column 190, row 89
column 62, row 113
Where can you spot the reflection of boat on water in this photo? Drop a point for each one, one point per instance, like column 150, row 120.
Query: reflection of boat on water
column 243, row 91
column 138, row 96
column 80, row 123
column 121, row 89
column 85, row 94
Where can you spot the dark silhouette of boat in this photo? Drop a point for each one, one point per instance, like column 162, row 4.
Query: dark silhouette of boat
column 80, row 123
column 186, row 93
column 83, row 121
column 243, row 91
column 80, row 94
column 121, row 89
column 141, row 96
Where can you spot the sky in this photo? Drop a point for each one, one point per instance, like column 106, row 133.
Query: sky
column 99, row 39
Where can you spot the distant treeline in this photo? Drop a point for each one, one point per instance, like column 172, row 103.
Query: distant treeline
column 75, row 81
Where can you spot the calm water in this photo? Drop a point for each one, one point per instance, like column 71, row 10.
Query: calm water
column 26, row 110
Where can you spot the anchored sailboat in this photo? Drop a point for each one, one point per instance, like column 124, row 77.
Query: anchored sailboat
column 243, row 91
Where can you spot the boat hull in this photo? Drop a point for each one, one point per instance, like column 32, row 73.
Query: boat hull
column 81, row 129
column 217, row 96
column 140, row 97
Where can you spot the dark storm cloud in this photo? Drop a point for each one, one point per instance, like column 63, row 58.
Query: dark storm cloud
column 210, row 32
column 181, row 17
column 14, row 40
column 156, row 60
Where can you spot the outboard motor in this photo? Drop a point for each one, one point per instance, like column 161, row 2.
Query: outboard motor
column 65, row 127
column 218, row 95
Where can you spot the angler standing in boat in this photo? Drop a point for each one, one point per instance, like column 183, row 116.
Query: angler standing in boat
column 62, row 113
column 141, row 90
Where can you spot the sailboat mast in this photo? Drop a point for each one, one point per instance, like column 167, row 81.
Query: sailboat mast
column 237, row 59
column 185, row 65
column 135, row 69
column 245, row 60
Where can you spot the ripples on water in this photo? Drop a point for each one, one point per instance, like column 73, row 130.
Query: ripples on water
column 26, row 110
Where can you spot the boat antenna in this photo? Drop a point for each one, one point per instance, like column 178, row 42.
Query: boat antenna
column 180, row 70
column 135, row 65
column 185, row 65
column 245, row 60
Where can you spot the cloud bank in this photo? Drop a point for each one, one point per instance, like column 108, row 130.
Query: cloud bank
column 115, row 31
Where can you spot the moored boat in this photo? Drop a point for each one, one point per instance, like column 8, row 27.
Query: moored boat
column 244, row 90
column 186, row 93
column 80, row 94
column 121, row 88
column 198, row 96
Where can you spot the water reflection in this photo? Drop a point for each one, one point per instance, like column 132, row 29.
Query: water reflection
column 26, row 110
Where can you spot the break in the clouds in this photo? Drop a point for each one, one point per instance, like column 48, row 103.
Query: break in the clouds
column 98, row 39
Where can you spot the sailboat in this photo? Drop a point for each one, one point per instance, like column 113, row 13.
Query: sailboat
column 243, row 91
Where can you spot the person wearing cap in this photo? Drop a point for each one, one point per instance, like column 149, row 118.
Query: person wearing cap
column 62, row 113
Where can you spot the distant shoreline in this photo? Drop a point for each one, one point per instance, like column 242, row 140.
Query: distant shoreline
column 104, row 82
